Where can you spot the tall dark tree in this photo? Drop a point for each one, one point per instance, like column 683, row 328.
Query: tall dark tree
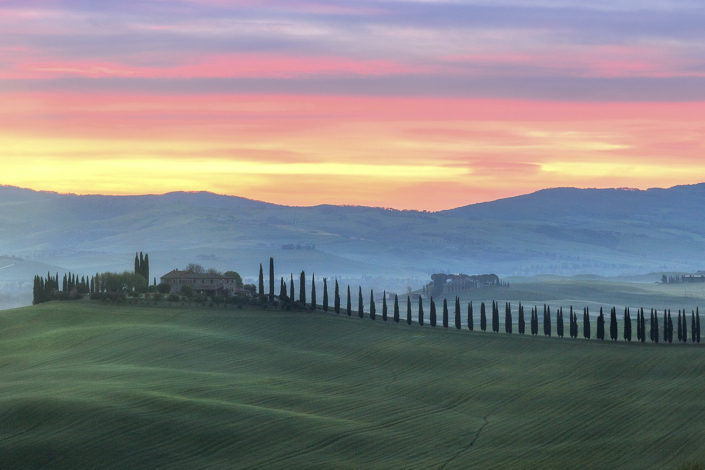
column 643, row 328
column 534, row 322
column 651, row 326
column 349, row 303
column 548, row 321
column 141, row 270
column 360, row 306
column 302, row 288
column 396, row 308
column 656, row 328
column 457, row 313
column 508, row 319
column 613, row 324
column 559, row 322
column 670, row 327
column 271, row 279
column 445, row 313
column 137, row 264
column 420, row 311
column 384, row 306
column 314, row 305
column 693, row 332
column 373, row 310
column 627, row 326
column 483, row 317
column 145, row 268
column 522, row 321
column 638, row 326
column 685, row 328
column 432, row 315
column 408, row 310
column 495, row 316
column 697, row 325
column 471, row 320
column 337, row 298
column 325, row 294
column 601, row 326
column 680, row 327
column 261, row 282
column 282, row 290
column 291, row 288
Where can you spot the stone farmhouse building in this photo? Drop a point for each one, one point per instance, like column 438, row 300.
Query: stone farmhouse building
column 205, row 283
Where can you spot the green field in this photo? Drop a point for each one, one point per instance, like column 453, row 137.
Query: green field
column 86, row 385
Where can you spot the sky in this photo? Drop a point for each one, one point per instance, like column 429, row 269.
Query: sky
column 426, row 104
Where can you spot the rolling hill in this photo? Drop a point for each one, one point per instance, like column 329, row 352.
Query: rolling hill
column 559, row 231
column 89, row 385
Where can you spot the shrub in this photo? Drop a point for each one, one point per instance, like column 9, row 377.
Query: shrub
column 157, row 297
column 173, row 298
column 164, row 288
column 186, row 290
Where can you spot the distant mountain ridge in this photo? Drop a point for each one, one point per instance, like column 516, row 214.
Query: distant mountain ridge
column 562, row 231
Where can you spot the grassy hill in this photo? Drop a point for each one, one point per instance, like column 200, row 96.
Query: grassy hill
column 87, row 385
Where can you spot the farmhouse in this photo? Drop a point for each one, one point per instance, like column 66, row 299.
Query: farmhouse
column 205, row 283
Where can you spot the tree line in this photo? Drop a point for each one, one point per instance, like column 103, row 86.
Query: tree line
column 656, row 333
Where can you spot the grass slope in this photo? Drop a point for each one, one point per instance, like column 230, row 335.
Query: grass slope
column 85, row 385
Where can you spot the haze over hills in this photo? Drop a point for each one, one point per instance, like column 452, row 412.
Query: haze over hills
column 561, row 231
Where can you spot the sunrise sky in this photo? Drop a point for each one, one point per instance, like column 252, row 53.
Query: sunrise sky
column 406, row 104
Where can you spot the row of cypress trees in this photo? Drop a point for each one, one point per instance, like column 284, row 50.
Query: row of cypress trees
column 573, row 325
column 142, row 265
column 47, row 289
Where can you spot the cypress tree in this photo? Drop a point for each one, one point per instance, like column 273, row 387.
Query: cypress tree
column 302, row 289
column 656, row 328
column 495, row 316
column 420, row 311
column 628, row 326
column 534, row 327
column 508, row 320
column 693, row 333
column 282, row 291
column 313, row 292
column 638, row 326
column 137, row 263
column 337, row 298
column 65, row 284
column 548, row 321
column 651, row 326
column 457, row 313
column 408, row 310
column 396, row 308
column 522, row 322
column 697, row 324
column 680, row 328
column 445, row 313
column 145, row 269
column 271, row 279
column 349, row 304
column 483, row 317
column 325, row 295
column 291, row 288
column 432, row 315
column 559, row 322
column 685, row 328
column 613, row 324
column 360, row 306
column 261, row 282
column 601, row 326
column 643, row 327
column 373, row 310
column 670, row 327
column 471, row 320
column 384, row 305
column 141, row 265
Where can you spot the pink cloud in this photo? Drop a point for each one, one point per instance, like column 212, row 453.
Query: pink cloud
column 224, row 65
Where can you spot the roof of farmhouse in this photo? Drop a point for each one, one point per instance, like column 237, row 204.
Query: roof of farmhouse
column 176, row 274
